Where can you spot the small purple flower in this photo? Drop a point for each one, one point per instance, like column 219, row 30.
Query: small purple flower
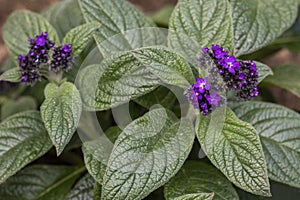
column 213, row 98
column 231, row 64
column 61, row 58
column 204, row 108
column 202, row 84
column 205, row 49
column 241, row 76
column 40, row 40
column 219, row 52
column 200, row 97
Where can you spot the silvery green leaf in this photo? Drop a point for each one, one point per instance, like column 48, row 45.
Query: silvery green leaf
column 61, row 112
column 148, row 152
column 279, row 131
column 235, row 149
column 23, row 138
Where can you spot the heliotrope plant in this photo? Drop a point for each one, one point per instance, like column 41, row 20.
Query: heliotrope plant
column 106, row 58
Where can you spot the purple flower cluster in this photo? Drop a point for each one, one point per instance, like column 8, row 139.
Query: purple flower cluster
column 39, row 48
column 38, row 54
column 201, row 97
column 29, row 70
column 241, row 76
column 61, row 58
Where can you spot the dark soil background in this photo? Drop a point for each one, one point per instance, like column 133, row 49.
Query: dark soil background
column 282, row 57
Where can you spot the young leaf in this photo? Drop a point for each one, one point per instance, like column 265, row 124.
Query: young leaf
column 44, row 182
column 279, row 131
column 286, row 77
column 64, row 16
column 61, row 112
column 12, row 75
column 79, row 36
column 256, row 23
column 195, row 177
column 83, row 189
column 149, row 151
column 28, row 25
column 23, row 138
column 235, row 149
column 195, row 24
column 11, row 107
column 117, row 18
column 263, row 71
column 196, row 196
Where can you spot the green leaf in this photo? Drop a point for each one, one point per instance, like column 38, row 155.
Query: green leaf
column 161, row 96
column 256, row 23
column 263, row 71
column 162, row 17
column 83, row 189
column 42, row 182
column 115, row 81
column 79, row 36
column 196, row 196
column 97, row 191
column 195, row 24
column 279, row 130
column 286, row 77
column 149, row 151
column 235, row 149
column 96, row 155
column 11, row 107
column 64, row 16
column 170, row 67
column 23, row 139
column 196, row 177
column 117, row 18
column 12, row 75
column 130, row 75
column 29, row 25
column 113, row 133
column 61, row 112
column 240, row 25
column 96, row 152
